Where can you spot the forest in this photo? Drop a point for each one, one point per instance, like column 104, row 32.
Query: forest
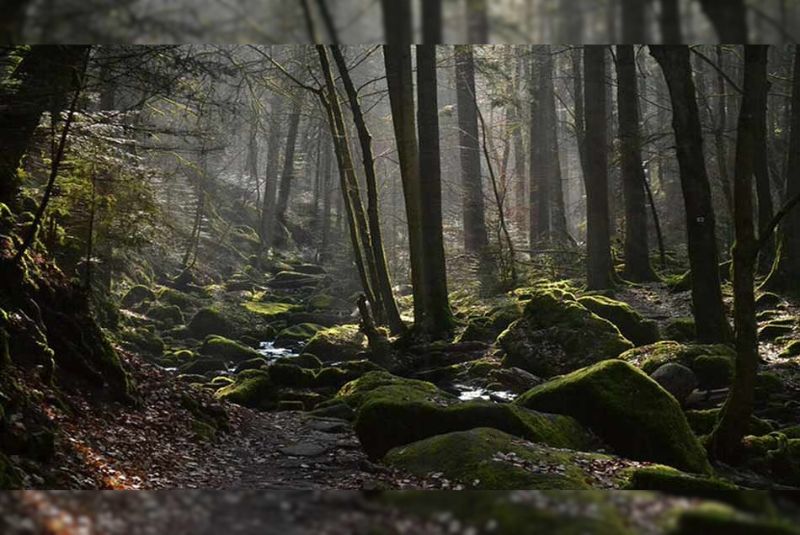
column 382, row 269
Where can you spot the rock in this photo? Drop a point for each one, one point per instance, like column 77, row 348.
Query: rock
column 768, row 300
column 329, row 425
column 310, row 269
column 776, row 329
column 676, row 379
column 344, row 342
column 702, row 422
column 305, row 360
column 767, row 385
column 251, row 364
column 286, row 375
column 650, row 358
column 558, row 335
column 291, row 280
column 145, row 340
column 372, row 385
column 136, row 296
column 629, row 322
column 514, row 379
column 681, row 330
column 791, row 350
column 305, row 449
column 487, row 328
column 272, row 311
column 672, row 481
column 418, row 411
column 204, row 365
column 296, row 335
column 167, row 315
column 228, row 350
column 713, row 371
column 712, row 518
column 489, row 459
column 253, row 389
column 208, row 321
column 177, row 298
column 629, row 411
column 291, row 405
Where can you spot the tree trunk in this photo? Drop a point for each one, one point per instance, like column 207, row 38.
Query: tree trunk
column 709, row 311
column 670, row 22
column 269, row 199
column 637, row 250
column 475, row 237
column 477, row 22
column 287, row 175
column 558, row 212
column 517, row 124
column 599, row 262
column 785, row 275
column 726, row 440
column 383, row 282
column 540, row 179
column 432, row 26
column 634, row 22
column 766, row 207
column 438, row 317
column 729, row 18
column 580, row 118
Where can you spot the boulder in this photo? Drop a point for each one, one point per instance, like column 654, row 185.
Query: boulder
column 251, row 388
column 203, row 365
column 676, row 379
column 489, row 459
column 296, row 335
column 271, row 311
column 514, row 379
column 305, row 360
column 344, row 342
column 208, row 321
column 227, row 350
column 137, row 295
column 167, row 315
column 558, row 335
column 251, row 364
column 292, row 280
column 693, row 356
column 629, row 411
column 286, row 375
column 681, row 330
column 630, row 323
column 713, row 371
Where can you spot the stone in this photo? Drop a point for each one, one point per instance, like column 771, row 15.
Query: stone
column 676, row 379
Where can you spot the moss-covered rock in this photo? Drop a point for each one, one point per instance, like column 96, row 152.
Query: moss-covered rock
column 304, row 360
column 271, row 311
column 286, row 375
column 292, row 280
column 228, row 350
column 413, row 420
column 204, row 365
column 628, row 410
column 650, row 358
column 776, row 329
column 183, row 300
column 251, row 364
column 557, row 335
column 167, row 315
column 297, row 334
column 768, row 300
column 252, row 388
column 713, row 371
column 489, row 459
column 208, row 321
column 630, row 323
column 137, row 295
column 719, row 519
column 672, row 481
column 681, row 330
column 791, row 350
column 379, row 384
column 702, row 422
column 340, row 343
column 144, row 340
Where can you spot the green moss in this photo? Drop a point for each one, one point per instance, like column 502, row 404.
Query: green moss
column 630, row 323
column 558, row 335
column 489, row 459
column 776, row 329
column 137, row 295
column 681, row 330
column 628, row 410
column 251, row 364
column 344, row 342
column 208, row 321
column 672, row 481
column 144, row 340
column 702, row 422
column 177, row 298
column 271, row 311
column 297, row 334
column 223, row 348
column 713, row 371
column 305, row 360
column 321, row 302
column 286, row 375
column 650, row 358
column 252, row 388
column 203, row 365
column 718, row 519
column 377, row 384
column 413, row 420
column 791, row 350
column 169, row 315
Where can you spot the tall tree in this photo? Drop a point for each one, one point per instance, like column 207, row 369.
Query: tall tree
column 438, row 317
column 432, row 23
column 729, row 18
column 637, row 250
column 785, row 275
column 726, row 439
column 541, row 159
column 270, row 196
column 475, row 236
column 287, row 175
column 383, row 282
column 517, row 125
column 599, row 263
column 766, row 208
column 709, row 311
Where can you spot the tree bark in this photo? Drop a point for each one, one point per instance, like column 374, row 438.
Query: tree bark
column 709, row 311
column 729, row 18
column 477, row 22
column 599, row 262
column 287, row 175
column 726, row 439
column 766, row 206
column 540, row 179
column 634, row 22
column 785, row 275
column 670, row 22
column 432, row 25
column 475, row 236
column 637, row 250
column 269, row 198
